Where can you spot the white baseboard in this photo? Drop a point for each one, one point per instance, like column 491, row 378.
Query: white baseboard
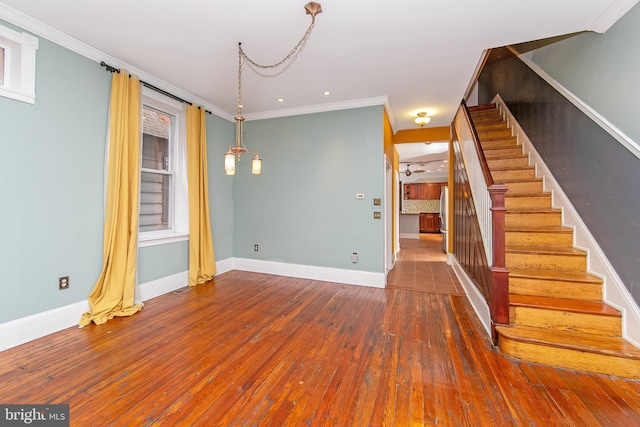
column 474, row 295
column 327, row 274
column 29, row 328
column 409, row 235
column 614, row 291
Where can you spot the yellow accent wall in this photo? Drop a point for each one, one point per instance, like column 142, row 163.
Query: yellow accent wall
column 442, row 133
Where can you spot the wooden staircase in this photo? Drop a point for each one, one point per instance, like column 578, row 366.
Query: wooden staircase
column 557, row 314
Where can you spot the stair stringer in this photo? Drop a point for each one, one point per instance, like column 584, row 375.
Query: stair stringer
column 614, row 291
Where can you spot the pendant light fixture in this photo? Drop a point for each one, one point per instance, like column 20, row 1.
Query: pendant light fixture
column 233, row 154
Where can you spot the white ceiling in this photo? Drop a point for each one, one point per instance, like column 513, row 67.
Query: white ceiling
column 418, row 54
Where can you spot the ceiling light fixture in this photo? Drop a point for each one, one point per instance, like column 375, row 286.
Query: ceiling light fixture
column 233, row 154
column 422, row 119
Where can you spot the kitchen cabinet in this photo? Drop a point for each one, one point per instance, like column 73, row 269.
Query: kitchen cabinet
column 422, row 191
column 429, row 223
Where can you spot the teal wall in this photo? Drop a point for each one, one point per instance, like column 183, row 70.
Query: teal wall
column 52, row 191
column 601, row 69
column 303, row 208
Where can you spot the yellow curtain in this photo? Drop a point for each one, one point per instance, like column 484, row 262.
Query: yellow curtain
column 113, row 293
column 202, row 265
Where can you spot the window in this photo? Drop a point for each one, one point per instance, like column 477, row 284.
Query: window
column 164, row 215
column 18, row 65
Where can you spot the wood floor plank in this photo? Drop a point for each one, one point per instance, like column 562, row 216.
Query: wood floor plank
column 251, row 349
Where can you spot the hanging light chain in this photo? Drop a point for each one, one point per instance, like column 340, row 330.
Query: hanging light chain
column 293, row 53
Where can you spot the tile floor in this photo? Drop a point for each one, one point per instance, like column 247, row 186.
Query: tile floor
column 421, row 266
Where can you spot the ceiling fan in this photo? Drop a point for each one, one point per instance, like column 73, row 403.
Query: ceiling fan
column 420, row 169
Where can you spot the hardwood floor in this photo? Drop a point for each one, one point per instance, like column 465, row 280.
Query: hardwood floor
column 255, row 349
column 421, row 267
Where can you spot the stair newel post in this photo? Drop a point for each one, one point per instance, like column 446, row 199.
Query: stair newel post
column 499, row 301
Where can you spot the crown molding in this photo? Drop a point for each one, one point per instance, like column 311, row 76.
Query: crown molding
column 319, row 108
column 40, row 29
column 611, row 15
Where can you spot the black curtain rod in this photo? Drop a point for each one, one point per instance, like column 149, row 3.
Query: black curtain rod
column 149, row 85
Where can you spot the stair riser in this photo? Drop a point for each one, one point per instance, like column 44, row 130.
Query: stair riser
column 527, row 261
column 480, row 114
column 555, row 289
column 499, row 143
column 504, row 163
column 571, row 359
column 566, row 321
column 491, row 134
column 524, row 187
column 500, row 176
column 533, row 202
column 529, row 219
column 491, row 126
column 538, row 239
column 499, row 153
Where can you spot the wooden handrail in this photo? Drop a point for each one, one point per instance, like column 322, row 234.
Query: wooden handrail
column 488, row 179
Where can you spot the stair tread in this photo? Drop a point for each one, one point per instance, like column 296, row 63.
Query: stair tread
column 512, row 168
column 520, row 180
column 482, row 107
column 564, row 304
column 561, row 250
column 565, row 275
column 534, row 194
column 540, row 229
column 573, row 340
column 533, row 210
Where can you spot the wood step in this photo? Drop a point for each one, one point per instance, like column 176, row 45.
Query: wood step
column 506, row 142
column 522, row 160
column 556, row 284
column 527, row 258
column 533, row 217
column 490, row 126
column 572, row 350
column 482, row 107
column 554, row 236
column 500, row 152
column 524, row 186
column 591, row 317
column 523, row 172
column 492, row 134
column 528, row 201
column 488, row 119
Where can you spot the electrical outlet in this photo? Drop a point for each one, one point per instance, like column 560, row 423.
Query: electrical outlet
column 354, row 257
column 63, row 283
column 255, row 248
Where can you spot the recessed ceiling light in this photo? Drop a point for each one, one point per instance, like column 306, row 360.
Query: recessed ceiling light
column 326, row 93
column 280, row 99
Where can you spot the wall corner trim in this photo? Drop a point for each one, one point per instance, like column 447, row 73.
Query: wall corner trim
column 611, row 15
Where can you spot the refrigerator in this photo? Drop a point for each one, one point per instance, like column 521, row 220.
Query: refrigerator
column 444, row 197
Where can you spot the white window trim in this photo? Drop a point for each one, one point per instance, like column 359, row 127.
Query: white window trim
column 19, row 65
column 180, row 214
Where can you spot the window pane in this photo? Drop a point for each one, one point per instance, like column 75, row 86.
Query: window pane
column 156, row 187
column 154, row 201
column 155, row 141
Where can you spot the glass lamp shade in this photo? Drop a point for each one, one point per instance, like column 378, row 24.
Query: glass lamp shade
column 421, row 121
column 256, row 165
column 230, row 163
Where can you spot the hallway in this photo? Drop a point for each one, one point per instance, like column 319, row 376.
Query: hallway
column 421, row 266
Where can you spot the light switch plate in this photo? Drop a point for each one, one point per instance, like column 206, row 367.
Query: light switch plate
column 377, row 201
column 377, row 215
